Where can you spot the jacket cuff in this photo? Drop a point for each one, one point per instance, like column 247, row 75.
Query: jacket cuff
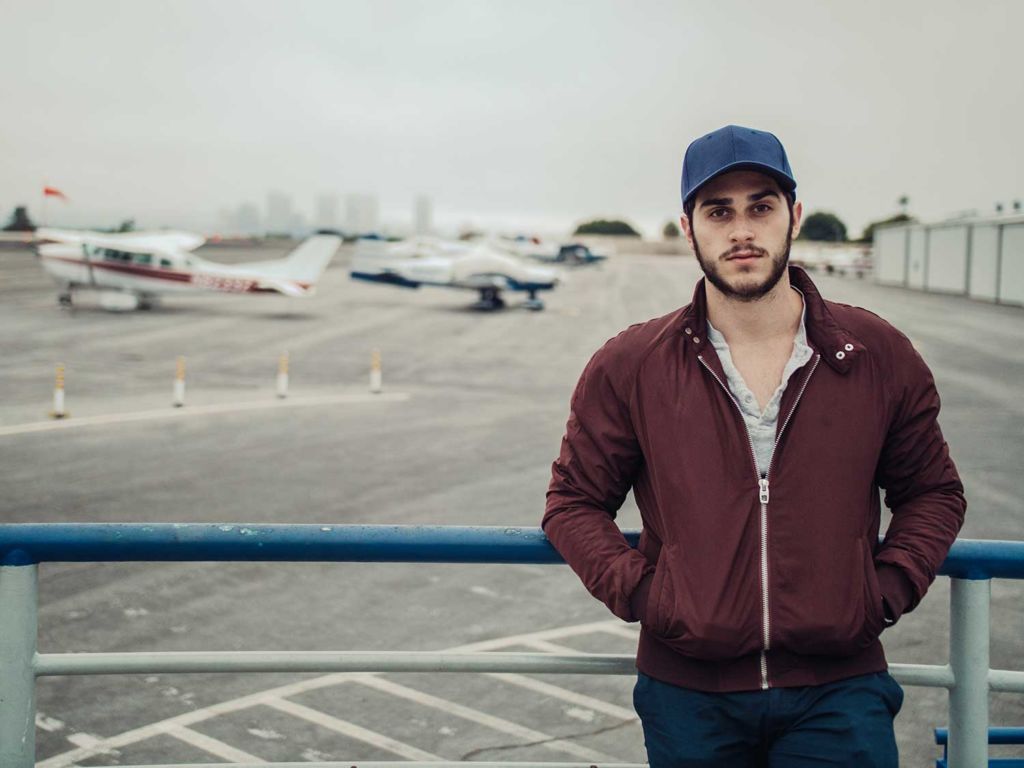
column 638, row 600
column 896, row 588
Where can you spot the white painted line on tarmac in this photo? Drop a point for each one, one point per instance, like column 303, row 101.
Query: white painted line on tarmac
column 87, row 741
column 546, row 646
column 570, row 697
column 100, row 746
column 50, row 724
column 201, row 410
column 344, row 727
column 616, row 628
column 546, row 634
column 500, row 724
column 209, row 744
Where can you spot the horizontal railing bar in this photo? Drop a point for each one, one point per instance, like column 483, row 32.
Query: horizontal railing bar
column 926, row 675
column 1005, row 680
column 401, row 764
column 185, row 662
column 996, row 735
column 50, row 664
column 24, row 544
column 978, row 559
column 29, row 543
column 369, row 662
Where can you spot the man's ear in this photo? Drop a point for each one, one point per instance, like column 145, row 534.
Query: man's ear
column 684, row 222
column 798, row 213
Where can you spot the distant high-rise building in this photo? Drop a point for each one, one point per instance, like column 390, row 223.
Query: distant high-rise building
column 279, row 212
column 243, row 220
column 326, row 212
column 424, row 215
column 361, row 214
column 247, row 219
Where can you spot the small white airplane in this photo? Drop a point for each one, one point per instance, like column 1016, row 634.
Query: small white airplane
column 565, row 255
column 131, row 269
column 430, row 261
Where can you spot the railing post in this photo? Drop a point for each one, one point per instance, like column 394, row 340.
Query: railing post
column 969, row 660
column 18, row 621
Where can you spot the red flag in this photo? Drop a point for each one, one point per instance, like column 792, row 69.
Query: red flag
column 54, row 192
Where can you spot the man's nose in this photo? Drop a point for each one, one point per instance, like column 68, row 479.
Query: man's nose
column 741, row 232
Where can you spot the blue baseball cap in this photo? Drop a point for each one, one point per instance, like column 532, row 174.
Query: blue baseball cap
column 734, row 148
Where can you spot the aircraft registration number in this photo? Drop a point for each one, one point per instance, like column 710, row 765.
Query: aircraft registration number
column 228, row 284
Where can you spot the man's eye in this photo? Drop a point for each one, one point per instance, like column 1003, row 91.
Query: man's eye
column 762, row 208
column 718, row 213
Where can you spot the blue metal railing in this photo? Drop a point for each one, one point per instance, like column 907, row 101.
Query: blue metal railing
column 1001, row 736
column 30, row 543
column 23, row 544
column 970, row 564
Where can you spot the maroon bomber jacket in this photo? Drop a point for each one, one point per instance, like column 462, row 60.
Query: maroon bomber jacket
column 742, row 582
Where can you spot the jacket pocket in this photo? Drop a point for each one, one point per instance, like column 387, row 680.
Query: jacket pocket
column 698, row 616
column 840, row 614
column 652, row 619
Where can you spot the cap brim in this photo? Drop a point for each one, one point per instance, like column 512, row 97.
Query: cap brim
column 788, row 183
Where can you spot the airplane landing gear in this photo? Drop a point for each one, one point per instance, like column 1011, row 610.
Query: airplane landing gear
column 64, row 299
column 533, row 303
column 489, row 300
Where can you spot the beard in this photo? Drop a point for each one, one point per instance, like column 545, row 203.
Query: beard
column 746, row 291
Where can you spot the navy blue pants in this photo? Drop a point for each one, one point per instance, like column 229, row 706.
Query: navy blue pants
column 846, row 723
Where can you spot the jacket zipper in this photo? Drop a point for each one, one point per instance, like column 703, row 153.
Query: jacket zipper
column 763, row 497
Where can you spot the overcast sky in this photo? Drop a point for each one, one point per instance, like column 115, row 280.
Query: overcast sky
column 543, row 113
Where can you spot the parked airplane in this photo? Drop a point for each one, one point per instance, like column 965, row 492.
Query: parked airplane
column 131, row 269
column 429, row 261
column 574, row 254
column 568, row 255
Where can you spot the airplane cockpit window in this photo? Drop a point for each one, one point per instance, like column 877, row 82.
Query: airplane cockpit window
column 143, row 258
column 165, row 264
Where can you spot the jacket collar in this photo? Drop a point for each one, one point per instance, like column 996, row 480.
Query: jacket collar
column 838, row 347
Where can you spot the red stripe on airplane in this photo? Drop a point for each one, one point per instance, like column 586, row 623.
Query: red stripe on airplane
column 208, row 282
column 130, row 269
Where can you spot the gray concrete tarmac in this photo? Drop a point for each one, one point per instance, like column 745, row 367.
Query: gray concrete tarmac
column 487, row 401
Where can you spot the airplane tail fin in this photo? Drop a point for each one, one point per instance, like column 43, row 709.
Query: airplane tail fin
column 294, row 275
column 307, row 262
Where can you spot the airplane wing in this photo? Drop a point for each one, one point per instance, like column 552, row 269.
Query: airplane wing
column 135, row 242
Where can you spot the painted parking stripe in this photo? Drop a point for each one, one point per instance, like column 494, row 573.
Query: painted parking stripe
column 570, row 697
column 616, row 628
column 546, row 646
column 86, row 741
column 201, row 410
column 344, row 727
column 136, row 735
column 209, row 744
column 482, row 718
column 105, row 745
column 546, row 634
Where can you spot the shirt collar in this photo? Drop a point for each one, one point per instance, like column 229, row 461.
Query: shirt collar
column 717, row 338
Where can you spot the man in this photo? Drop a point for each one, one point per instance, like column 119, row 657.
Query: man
column 755, row 426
